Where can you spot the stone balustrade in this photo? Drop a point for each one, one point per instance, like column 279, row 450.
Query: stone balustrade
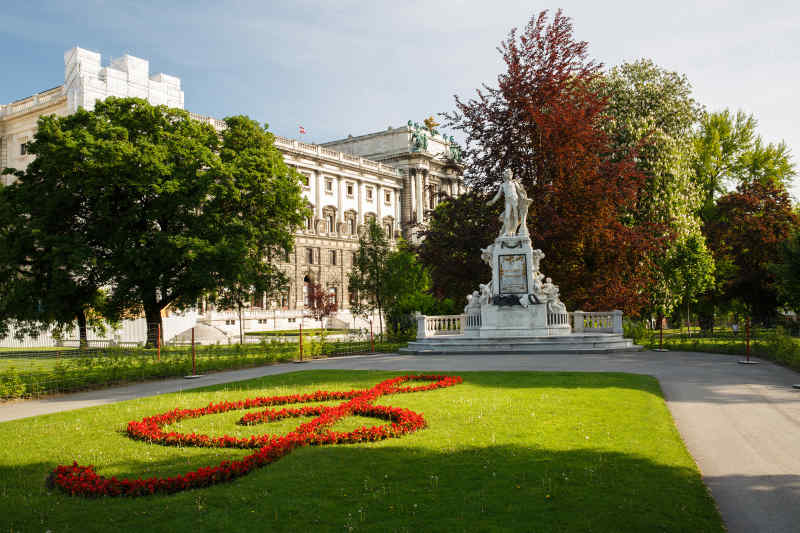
column 31, row 102
column 583, row 322
column 217, row 124
column 597, row 322
column 327, row 153
column 557, row 319
column 431, row 326
column 472, row 321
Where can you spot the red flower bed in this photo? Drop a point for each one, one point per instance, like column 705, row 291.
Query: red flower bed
column 84, row 481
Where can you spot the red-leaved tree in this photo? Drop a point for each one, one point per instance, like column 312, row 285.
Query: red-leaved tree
column 746, row 234
column 543, row 121
column 321, row 303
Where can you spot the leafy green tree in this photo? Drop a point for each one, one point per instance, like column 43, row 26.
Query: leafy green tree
column 746, row 237
column 170, row 208
column 48, row 266
column 367, row 279
column 408, row 287
column 651, row 113
column 691, row 270
column 451, row 241
column 729, row 153
column 786, row 270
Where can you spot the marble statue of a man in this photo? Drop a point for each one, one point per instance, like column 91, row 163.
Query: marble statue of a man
column 516, row 205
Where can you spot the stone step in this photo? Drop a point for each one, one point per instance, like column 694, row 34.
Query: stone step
column 577, row 343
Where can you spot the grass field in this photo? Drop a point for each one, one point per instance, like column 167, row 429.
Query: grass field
column 39, row 349
column 518, row 451
column 44, row 373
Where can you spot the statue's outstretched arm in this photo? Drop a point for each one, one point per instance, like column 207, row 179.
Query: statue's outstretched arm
column 497, row 196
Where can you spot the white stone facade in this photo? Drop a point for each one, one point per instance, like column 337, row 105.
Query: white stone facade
column 86, row 81
column 379, row 175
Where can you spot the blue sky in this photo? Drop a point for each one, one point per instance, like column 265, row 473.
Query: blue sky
column 350, row 67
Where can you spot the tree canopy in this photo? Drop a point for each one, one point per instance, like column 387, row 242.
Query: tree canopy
column 166, row 208
column 729, row 153
column 747, row 236
column 651, row 112
column 451, row 241
column 367, row 279
column 544, row 121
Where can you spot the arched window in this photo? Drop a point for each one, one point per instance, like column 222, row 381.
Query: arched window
column 351, row 222
column 388, row 229
column 330, row 226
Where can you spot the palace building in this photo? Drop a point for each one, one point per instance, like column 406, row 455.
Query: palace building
column 392, row 176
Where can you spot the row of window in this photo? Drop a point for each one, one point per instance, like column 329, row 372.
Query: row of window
column 349, row 189
column 313, row 255
column 350, row 225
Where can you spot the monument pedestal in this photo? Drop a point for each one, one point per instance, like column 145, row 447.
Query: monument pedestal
column 516, row 321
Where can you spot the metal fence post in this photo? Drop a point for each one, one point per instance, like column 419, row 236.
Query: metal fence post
column 194, row 357
column 747, row 360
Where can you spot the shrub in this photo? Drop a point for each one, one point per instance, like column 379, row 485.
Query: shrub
column 11, row 386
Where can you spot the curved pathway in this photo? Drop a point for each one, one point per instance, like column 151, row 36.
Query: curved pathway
column 741, row 423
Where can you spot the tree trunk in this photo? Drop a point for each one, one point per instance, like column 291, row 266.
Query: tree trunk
column 241, row 324
column 84, row 341
column 380, row 320
column 152, row 313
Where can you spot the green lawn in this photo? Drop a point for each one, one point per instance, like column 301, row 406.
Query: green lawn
column 519, row 451
column 33, row 377
column 39, row 349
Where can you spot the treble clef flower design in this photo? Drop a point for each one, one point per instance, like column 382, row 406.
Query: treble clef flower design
column 80, row 480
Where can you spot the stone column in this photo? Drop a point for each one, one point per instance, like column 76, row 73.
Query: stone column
column 339, row 215
column 421, row 333
column 419, row 193
column 379, row 203
column 360, row 213
column 404, row 200
column 317, row 198
column 616, row 318
column 577, row 325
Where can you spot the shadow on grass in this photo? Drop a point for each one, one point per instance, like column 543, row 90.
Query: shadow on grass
column 390, row 487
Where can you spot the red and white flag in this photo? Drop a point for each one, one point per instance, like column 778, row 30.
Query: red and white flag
column 302, row 130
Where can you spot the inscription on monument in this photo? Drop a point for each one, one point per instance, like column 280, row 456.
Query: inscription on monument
column 512, row 274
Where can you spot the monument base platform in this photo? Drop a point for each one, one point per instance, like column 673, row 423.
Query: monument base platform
column 566, row 344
